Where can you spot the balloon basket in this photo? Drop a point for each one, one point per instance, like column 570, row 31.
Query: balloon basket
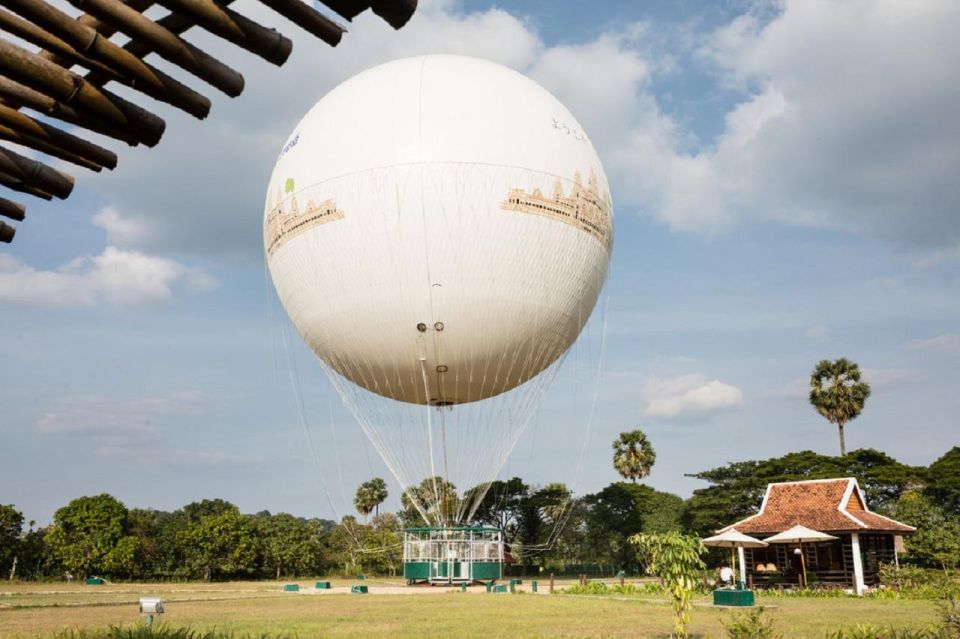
column 452, row 555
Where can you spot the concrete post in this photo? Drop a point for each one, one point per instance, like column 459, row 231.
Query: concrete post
column 858, row 585
column 743, row 564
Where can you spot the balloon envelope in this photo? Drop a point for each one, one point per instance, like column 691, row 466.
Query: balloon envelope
column 438, row 229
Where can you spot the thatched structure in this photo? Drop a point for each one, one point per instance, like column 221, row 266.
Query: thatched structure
column 72, row 60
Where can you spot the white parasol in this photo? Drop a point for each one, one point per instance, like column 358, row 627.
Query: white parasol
column 800, row 535
column 733, row 538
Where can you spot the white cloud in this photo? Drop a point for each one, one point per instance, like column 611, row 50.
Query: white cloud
column 885, row 378
column 689, row 395
column 948, row 342
column 108, row 417
column 136, row 431
column 857, row 133
column 114, row 277
column 121, row 231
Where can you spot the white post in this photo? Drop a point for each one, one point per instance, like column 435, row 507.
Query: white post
column 858, row 584
column 743, row 564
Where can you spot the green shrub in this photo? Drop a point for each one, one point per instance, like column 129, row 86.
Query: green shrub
column 949, row 608
column 826, row 593
column 908, row 582
column 601, row 588
column 753, row 624
column 592, row 588
column 867, row 631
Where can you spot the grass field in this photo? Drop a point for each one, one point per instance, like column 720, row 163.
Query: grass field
column 37, row 610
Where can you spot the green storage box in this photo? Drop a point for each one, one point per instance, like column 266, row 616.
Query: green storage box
column 322, row 585
column 291, row 588
column 733, row 598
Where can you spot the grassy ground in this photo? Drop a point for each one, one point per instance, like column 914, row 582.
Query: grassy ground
column 36, row 610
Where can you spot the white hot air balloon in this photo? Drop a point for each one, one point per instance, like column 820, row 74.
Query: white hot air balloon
column 438, row 229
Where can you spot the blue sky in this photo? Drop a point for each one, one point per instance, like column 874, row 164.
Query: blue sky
column 786, row 188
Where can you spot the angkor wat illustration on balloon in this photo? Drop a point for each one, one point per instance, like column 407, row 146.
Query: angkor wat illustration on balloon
column 585, row 208
column 285, row 220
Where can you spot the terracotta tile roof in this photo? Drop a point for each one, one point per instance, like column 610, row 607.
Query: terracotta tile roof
column 827, row 505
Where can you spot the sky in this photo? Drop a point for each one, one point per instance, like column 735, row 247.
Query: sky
column 786, row 187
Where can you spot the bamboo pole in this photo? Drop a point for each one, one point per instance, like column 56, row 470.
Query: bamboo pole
column 73, row 42
column 30, row 32
column 396, row 12
column 166, row 44
column 35, row 174
column 7, row 232
column 17, row 95
column 349, row 9
column 233, row 27
column 13, row 210
column 308, row 19
column 67, row 87
column 10, row 135
column 16, row 184
column 105, row 28
column 51, row 135
column 174, row 23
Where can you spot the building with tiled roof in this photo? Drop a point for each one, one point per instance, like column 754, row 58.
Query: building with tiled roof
column 836, row 506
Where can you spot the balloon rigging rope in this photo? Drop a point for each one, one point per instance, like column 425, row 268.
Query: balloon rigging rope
column 296, row 387
column 302, row 418
column 483, row 433
column 566, row 510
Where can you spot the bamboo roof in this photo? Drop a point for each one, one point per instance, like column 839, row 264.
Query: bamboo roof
column 71, row 60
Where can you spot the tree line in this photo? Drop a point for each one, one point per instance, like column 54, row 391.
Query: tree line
column 546, row 526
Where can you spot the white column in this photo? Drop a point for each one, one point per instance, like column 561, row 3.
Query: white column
column 743, row 564
column 858, row 584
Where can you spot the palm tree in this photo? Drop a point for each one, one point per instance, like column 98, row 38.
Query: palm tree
column 633, row 456
column 378, row 493
column 837, row 393
column 370, row 494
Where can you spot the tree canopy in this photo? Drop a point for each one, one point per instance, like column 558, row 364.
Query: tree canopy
column 547, row 528
column 370, row 494
column 11, row 528
column 943, row 481
column 633, row 455
column 89, row 536
column 837, row 393
column 737, row 488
